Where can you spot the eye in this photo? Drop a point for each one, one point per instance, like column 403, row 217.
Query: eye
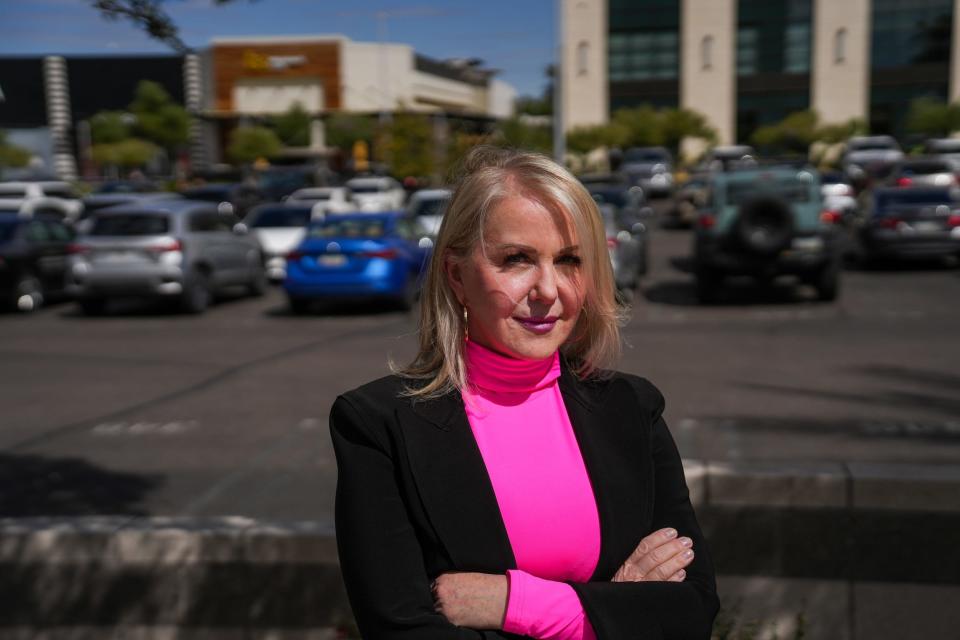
column 570, row 259
column 516, row 258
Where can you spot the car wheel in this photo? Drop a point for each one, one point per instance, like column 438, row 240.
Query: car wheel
column 28, row 294
column 298, row 305
column 92, row 306
column 409, row 297
column 708, row 285
column 198, row 295
column 258, row 284
column 828, row 282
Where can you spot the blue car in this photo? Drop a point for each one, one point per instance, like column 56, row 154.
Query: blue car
column 358, row 257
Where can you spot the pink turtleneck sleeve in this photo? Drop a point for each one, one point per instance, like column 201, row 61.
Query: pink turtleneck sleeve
column 521, row 426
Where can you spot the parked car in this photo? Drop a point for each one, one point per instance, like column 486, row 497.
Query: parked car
column 358, row 256
column 766, row 222
column 872, row 156
column 110, row 194
column 240, row 197
column 180, row 250
column 650, row 168
column 59, row 198
column 924, row 172
column 376, row 193
column 280, row 228
column 329, row 199
column 727, row 157
column 687, row 200
column 624, row 213
column 945, row 148
column 428, row 207
column 912, row 223
column 33, row 259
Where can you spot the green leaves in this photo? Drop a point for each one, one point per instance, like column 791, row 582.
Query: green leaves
column 248, row 144
column 158, row 118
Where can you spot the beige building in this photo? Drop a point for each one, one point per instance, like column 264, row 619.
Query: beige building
column 747, row 63
column 325, row 74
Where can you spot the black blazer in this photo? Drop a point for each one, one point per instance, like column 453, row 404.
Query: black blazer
column 414, row 500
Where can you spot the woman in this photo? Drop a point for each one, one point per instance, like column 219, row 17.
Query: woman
column 506, row 482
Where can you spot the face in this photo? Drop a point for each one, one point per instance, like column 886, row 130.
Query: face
column 523, row 288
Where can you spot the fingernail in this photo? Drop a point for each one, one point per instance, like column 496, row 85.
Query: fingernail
column 688, row 554
column 681, row 574
column 686, row 542
column 671, row 533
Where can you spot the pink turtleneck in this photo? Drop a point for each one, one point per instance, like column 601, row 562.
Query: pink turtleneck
column 521, row 425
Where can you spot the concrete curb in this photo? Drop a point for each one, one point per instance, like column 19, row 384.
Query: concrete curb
column 779, row 520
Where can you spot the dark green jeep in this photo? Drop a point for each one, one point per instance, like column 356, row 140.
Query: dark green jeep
column 765, row 222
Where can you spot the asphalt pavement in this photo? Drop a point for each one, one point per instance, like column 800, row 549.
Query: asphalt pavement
column 146, row 412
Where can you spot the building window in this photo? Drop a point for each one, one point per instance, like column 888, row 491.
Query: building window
column 647, row 55
column 796, row 52
column 910, row 32
column 706, row 53
column 746, row 51
column 840, row 46
column 583, row 52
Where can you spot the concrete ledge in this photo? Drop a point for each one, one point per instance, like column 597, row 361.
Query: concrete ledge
column 843, row 523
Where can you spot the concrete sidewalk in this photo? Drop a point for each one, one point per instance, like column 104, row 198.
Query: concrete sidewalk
column 846, row 551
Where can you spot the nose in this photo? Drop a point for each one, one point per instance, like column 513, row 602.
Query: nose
column 544, row 289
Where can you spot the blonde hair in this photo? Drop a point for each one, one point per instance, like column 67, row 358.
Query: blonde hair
column 489, row 174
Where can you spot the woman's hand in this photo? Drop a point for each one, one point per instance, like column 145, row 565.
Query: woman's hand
column 660, row 557
column 475, row 600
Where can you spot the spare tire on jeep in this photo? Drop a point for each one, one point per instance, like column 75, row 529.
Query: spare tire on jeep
column 764, row 225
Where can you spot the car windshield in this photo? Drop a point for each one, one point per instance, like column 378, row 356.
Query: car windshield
column 12, row 191
column 872, row 146
column 312, row 194
column 281, row 217
column 214, row 194
column 350, row 228
column 905, row 198
column 366, row 188
column 130, row 225
column 60, row 192
column 430, row 207
column 789, row 189
column 8, row 227
column 925, row 168
column 645, row 155
column 616, row 197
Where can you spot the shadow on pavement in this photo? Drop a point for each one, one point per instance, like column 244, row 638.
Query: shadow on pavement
column 737, row 293
column 32, row 486
column 335, row 309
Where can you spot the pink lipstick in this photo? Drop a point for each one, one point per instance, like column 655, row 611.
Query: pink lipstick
column 538, row 325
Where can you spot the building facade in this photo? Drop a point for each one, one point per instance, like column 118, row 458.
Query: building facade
column 749, row 63
column 46, row 101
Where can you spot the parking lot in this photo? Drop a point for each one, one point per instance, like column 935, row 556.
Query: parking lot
column 148, row 412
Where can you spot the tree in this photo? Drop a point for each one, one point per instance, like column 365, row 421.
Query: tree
column 586, row 139
column 933, row 117
column 293, row 127
column 343, row 130
column 147, row 15
column 11, row 155
column 523, row 134
column 107, row 127
column 248, row 144
column 124, row 154
column 407, row 141
column 794, row 134
column 158, row 118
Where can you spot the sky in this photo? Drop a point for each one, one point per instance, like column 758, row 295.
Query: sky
column 515, row 36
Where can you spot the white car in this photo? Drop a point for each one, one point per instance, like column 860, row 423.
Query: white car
column 279, row 228
column 376, row 193
column 57, row 198
column 326, row 199
column 428, row 207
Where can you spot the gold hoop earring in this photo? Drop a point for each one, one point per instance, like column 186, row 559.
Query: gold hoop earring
column 466, row 325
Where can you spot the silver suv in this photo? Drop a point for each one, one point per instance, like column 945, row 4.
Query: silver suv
column 181, row 250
